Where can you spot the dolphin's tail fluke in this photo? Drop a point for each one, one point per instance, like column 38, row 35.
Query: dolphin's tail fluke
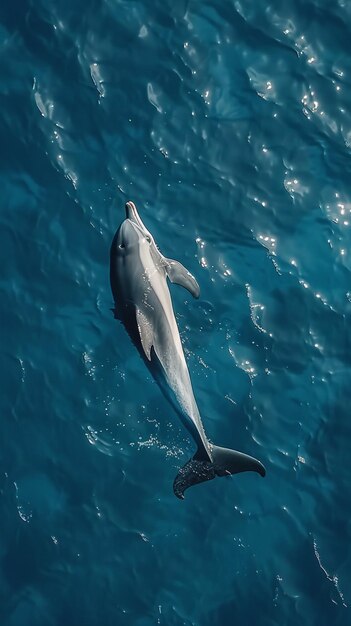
column 224, row 462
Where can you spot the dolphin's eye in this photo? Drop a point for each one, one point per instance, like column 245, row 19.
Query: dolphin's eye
column 121, row 245
column 148, row 239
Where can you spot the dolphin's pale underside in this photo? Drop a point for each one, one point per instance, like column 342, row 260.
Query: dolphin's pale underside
column 138, row 275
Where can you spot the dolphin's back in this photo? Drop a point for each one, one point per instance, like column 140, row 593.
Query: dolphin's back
column 149, row 319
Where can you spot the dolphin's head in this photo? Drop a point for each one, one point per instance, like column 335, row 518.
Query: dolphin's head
column 133, row 257
column 132, row 234
column 133, row 215
column 127, row 238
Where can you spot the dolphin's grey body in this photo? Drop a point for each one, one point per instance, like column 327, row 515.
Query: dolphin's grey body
column 138, row 274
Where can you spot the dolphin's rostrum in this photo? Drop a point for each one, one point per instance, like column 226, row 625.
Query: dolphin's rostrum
column 138, row 275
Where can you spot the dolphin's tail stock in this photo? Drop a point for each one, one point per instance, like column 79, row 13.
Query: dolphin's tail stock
column 225, row 462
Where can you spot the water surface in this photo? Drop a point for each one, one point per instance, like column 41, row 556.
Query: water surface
column 229, row 125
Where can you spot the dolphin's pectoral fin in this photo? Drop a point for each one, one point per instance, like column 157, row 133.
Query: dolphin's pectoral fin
column 178, row 274
column 145, row 331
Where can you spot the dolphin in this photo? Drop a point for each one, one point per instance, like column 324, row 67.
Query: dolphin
column 142, row 302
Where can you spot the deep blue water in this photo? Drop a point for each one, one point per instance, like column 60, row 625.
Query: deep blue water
column 229, row 125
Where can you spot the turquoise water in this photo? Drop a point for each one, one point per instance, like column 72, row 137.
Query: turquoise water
column 229, row 125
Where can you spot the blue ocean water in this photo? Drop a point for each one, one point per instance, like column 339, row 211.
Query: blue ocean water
column 228, row 123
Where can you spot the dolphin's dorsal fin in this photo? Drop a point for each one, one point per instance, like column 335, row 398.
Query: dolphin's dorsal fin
column 146, row 332
column 178, row 274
